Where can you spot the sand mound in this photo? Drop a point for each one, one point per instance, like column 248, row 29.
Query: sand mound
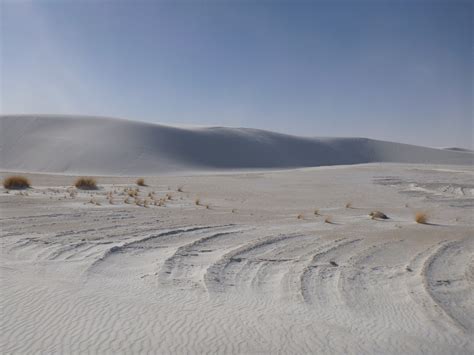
column 106, row 146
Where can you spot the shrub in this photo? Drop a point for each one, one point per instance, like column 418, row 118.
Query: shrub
column 141, row 182
column 300, row 216
column 328, row 220
column 421, row 217
column 16, row 183
column 86, row 183
column 349, row 205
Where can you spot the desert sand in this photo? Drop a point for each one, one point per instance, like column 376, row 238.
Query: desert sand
column 232, row 261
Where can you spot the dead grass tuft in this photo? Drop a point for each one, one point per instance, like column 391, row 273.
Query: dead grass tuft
column 86, row 183
column 300, row 216
column 349, row 205
column 16, row 182
column 328, row 219
column 316, row 212
column 197, row 202
column 141, row 182
column 421, row 217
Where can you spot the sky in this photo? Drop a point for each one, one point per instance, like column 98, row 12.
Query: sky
column 396, row 70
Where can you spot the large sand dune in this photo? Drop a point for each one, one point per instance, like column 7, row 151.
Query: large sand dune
column 105, row 146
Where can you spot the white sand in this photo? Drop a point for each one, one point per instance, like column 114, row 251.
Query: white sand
column 245, row 275
column 105, row 146
column 80, row 274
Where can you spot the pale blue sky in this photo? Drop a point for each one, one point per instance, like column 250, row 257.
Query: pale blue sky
column 396, row 70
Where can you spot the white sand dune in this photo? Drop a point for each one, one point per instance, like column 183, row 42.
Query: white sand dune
column 257, row 270
column 105, row 146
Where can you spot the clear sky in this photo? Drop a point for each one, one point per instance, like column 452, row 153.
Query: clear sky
column 398, row 70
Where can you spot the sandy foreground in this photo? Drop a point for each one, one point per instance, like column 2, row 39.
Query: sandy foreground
column 240, row 272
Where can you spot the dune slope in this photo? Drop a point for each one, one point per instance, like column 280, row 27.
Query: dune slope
column 106, row 146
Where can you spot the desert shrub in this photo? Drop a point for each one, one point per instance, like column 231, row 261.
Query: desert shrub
column 421, row 217
column 141, row 182
column 16, row 182
column 86, row 183
column 349, row 205
column 300, row 216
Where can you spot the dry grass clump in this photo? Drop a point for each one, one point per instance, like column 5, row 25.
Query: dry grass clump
column 300, row 216
column 421, row 217
column 349, row 205
column 141, row 182
column 180, row 189
column 328, row 219
column 86, row 183
column 16, row 182
column 93, row 201
column 197, row 202
column 133, row 192
column 316, row 212
column 377, row 215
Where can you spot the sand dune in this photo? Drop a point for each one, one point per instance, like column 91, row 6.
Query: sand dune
column 246, row 275
column 105, row 146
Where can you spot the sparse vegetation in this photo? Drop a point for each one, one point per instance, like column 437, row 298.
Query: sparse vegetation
column 300, row 216
column 349, row 205
column 421, row 217
column 141, row 182
column 180, row 189
column 377, row 215
column 86, row 183
column 16, row 182
column 316, row 212
column 328, row 219
column 197, row 202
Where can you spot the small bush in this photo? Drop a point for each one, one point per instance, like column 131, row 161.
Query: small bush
column 300, row 216
column 16, row 183
column 141, row 182
column 349, row 205
column 197, row 202
column 328, row 220
column 86, row 183
column 421, row 217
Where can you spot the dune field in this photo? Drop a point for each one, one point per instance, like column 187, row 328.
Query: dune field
column 219, row 254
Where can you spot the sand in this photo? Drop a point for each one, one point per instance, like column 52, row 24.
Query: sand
column 109, row 146
column 245, row 274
